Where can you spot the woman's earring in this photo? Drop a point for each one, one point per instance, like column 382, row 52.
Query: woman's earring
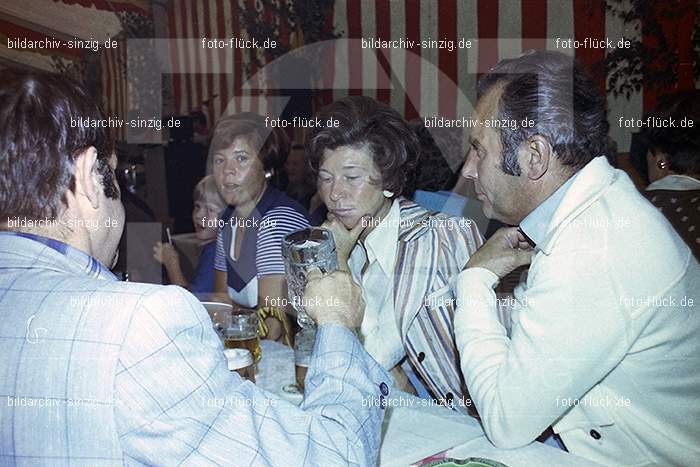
column 661, row 164
column 388, row 194
column 268, row 175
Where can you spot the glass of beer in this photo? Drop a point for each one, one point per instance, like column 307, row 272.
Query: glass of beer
column 303, row 348
column 241, row 332
column 220, row 315
column 302, row 250
column 241, row 361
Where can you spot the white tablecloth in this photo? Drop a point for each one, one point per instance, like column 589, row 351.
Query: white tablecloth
column 276, row 370
column 415, row 429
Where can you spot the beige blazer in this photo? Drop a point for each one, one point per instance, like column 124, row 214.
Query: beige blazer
column 605, row 344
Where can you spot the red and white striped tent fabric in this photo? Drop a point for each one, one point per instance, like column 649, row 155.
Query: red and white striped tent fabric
column 422, row 81
column 201, row 76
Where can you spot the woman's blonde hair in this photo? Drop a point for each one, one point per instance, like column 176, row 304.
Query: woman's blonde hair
column 206, row 190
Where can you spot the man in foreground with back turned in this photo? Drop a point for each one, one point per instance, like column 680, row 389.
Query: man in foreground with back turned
column 100, row 372
column 605, row 342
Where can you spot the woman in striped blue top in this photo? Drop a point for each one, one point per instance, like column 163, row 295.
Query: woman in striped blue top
column 244, row 157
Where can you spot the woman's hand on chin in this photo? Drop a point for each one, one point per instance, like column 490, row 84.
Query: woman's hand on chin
column 345, row 240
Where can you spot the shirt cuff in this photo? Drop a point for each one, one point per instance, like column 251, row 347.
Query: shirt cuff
column 333, row 336
column 469, row 276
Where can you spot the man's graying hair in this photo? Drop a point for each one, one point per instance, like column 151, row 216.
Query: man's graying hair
column 552, row 90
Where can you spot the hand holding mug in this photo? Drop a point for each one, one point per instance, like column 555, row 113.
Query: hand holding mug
column 334, row 298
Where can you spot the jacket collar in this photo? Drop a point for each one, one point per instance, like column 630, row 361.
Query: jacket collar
column 376, row 245
column 413, row 223
column 675, row 182
column 410, row 287
column 536, row 223
column 34, row 251
column 590, row 183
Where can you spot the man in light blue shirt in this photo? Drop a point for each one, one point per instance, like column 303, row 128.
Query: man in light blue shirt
column 101, row 372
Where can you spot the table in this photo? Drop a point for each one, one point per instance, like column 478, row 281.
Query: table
column 276, row 370
column 414, row 428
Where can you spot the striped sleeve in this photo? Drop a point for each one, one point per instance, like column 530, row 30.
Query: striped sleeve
column 220, row 258
column 277, row 223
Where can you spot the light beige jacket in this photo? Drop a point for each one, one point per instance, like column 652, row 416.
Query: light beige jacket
column 606, row 333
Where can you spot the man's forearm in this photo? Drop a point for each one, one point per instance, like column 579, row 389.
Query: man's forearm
column 483, row 344
column 187, row 397
column 348, row 386
column 517, row 383
column 175, row 274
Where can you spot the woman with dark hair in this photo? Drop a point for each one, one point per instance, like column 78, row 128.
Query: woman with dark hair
column 401, row 254
column 673, row 164
column 244, row 157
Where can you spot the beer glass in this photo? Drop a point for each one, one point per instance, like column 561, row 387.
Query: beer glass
column 241, row 332
column 302, row 250
column 303, row 348
column 219, row 314
column 241, row 361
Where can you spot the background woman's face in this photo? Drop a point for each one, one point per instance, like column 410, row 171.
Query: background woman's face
column 238, row 172
column 207, row 212
column 349, row 184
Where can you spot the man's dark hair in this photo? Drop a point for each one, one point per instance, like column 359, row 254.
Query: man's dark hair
column 364, row 121
column 681, row 144
column 567, row 108
column 40, row 137
column 272, row 144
